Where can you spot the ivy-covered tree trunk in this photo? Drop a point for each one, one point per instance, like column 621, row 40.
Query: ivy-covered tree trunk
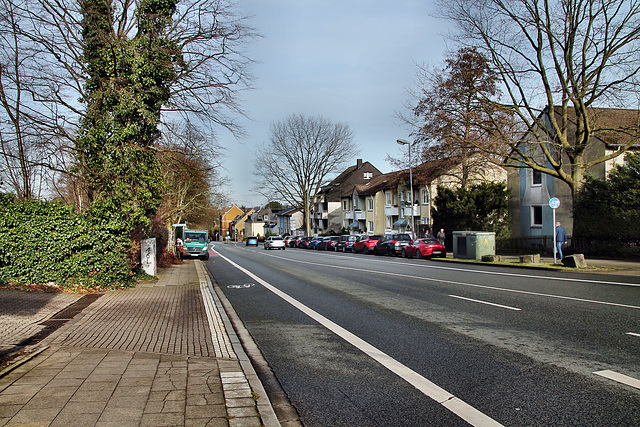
column 128, row 83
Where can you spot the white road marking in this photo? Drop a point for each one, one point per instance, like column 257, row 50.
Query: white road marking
column 486, row 302
column 501, row 273
column 621, row 378
column 633, row 334
column 428, row 388
column 495, row 288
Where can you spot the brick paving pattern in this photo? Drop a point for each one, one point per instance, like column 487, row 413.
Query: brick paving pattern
column 154, row 355
column 22, row 312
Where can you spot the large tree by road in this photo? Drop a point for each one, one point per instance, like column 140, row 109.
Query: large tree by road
column 301, row 154
column 556, row 61
column 454, row 117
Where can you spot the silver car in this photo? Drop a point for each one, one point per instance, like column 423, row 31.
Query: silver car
column 274, row 242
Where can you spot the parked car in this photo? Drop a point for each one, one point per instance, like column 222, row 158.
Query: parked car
column 424, row 248
column 274, row 242
column 322, row 244
column 366, row 243
column 252, row 241
column 392, row 244
column 288, row 239
column 313, row 243
column 345, row 244
column 304, row 243
column 328, row 243
column 295, row 241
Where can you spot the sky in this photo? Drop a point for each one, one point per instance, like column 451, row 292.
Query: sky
column 350, row 61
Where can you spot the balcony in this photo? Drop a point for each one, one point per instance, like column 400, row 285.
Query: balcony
column 360, row 215
column 348, row 215
column 407, row 211
column 391, row 211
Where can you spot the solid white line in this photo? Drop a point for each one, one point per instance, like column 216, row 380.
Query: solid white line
column 486, row 302
column 621, row 378
column 452, row 282
column 633, row 334
column 428, row 388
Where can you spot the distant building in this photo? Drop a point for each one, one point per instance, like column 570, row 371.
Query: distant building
column 385, row 203
column 325, row 212
column 226, row 220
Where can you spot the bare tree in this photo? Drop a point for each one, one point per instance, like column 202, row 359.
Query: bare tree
column 44, row 73
column 557, row 61
column 190, row 169
column 302, row 153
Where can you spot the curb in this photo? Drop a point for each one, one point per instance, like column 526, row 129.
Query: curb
column 263, row 404
column 21, row 361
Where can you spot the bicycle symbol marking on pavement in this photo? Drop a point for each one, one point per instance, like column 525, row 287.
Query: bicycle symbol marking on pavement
column 243, row 286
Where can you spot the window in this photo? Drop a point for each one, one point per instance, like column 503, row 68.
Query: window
column 355, row 203
column 389, row 223
column 425, row 197
column 536, row 216
column 370, row 227
column 368, row 175
column 370, row 203
column 388, row 200
column 344, row 205
column 402, row 196
column 536, row 177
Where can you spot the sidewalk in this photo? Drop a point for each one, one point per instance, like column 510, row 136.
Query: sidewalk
column 162, row 353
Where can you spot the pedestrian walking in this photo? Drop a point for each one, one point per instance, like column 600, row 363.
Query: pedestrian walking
column 561, row 238
column 441, row 236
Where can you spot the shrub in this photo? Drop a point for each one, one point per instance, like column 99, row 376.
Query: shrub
column 44, row 242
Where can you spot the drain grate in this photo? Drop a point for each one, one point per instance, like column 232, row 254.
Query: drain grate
column 74, row 309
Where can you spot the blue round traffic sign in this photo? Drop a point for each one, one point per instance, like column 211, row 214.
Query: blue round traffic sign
column 554, row 203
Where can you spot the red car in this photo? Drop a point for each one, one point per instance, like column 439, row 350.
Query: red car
column 366, row 243
column 424, row 248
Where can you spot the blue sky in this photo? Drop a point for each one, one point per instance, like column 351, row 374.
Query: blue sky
column 350, row 61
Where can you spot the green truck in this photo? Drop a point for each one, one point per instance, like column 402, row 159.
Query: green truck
column 196, row 243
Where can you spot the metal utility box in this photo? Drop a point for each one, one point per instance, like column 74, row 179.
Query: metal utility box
column 473, row 244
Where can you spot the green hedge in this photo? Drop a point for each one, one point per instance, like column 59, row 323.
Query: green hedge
column 45, row 242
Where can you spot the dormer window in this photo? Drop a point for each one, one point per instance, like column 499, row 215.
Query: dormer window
column 368, row 175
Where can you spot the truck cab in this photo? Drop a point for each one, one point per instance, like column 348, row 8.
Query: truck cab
column 196, row 243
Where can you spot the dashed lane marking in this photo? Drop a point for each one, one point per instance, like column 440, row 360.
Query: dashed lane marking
column 621, row 378
column 486, row 302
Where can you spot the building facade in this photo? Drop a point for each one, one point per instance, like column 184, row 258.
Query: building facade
column 326, row 212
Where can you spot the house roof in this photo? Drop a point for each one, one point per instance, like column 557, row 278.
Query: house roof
column 347, row 178
column 615, row 127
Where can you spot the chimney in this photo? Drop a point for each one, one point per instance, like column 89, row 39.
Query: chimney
column 359, row 164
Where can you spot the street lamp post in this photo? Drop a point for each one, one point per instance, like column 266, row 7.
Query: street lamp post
column 404, row 142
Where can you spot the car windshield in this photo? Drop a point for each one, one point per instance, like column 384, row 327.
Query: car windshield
column 276, row 238
column 402, row 237
column 195, row 237
column 430, row 241
column 352, row 238
column 374, row 237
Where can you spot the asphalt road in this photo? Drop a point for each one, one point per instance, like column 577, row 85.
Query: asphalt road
column 373, row 340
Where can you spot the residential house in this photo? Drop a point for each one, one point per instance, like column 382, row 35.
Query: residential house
column 326, row 211
column 385, row 203
column 531, row 215
column 260, row 223
column 238, row 225
column 226, row 220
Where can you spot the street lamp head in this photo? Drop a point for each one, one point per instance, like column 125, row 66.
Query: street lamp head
column 403, row 142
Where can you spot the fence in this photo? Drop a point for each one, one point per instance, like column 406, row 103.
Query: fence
column 627, row 248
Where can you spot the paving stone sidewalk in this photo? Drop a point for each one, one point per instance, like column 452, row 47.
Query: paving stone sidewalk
column 162, row 353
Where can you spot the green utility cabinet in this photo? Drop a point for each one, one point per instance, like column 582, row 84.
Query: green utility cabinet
column 473, row 244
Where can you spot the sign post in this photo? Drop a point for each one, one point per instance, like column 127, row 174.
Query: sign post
column 554, row 204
